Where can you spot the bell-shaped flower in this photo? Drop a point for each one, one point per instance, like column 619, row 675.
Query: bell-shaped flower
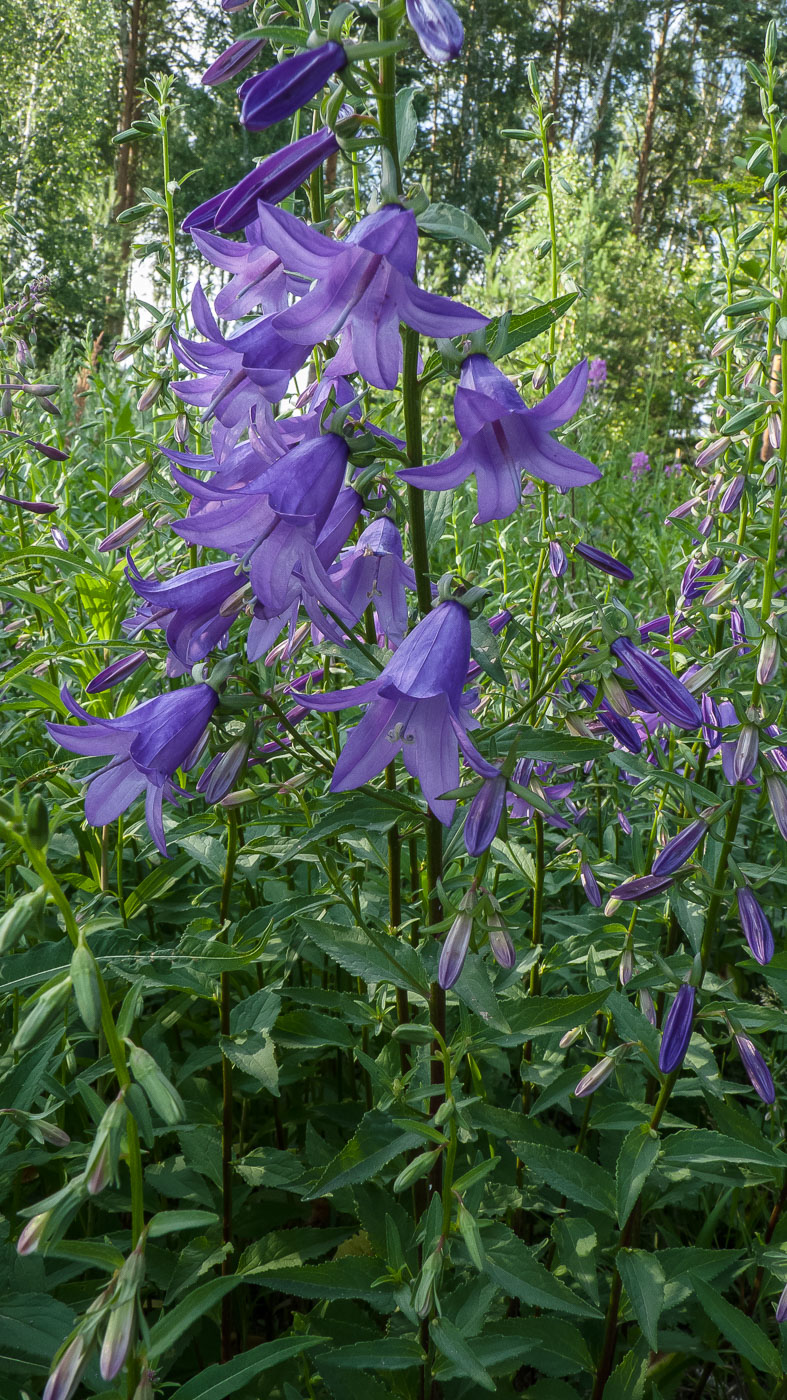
column 373, row 572
column 677, row 1029
column 257, row 279
column 438, row 28
column 756, row 926
column 365, row 285
column 193, row 606
column 502, row 438
column 411, row 706
column 663, row 692
column 277, row 93
column 147, row 746
column 621, row 728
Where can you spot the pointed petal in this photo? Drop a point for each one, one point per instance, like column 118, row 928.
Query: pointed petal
column 300, row 248
column 441, row 476
column 111, row 791
column 565, row 399
column 435, row 315
column 368, row 749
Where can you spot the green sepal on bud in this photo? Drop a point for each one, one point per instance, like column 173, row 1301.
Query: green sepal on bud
column 413, row 1033
column 423, row 1298
column 420, row 1166
column 43, row 1012
column 161, row 1094
column 37, row 822
column 85, row 980
column 23, row 914
column 468, row 1227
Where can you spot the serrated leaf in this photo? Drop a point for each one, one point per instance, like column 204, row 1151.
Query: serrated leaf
column 740, row 1331
column 256, row 1056
column 216, row 1382
column 383, row 1354
column 169, row 1222
column 694, row 1146
column 442, row 220
column 450, row 1342
column 376, row 1142
column 636, row 1160
column 513, row 1268
column 526, row 325
column 172, row 1326
column 570, row 1174
column 644, row 1281
column 384, row 959
column 348, row 1278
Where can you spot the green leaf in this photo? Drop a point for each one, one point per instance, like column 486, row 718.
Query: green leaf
column 375, row 1144
column 627, row 1381
column 219, row 1381
column 576, row 1242
column 350, row 1277
column 740, row 1331
column 450, row 1342
column 309, row 1030
column 696, row 1146
column 569, row 1174
column 255, row 1056
column 170, row 1222
column 528, row 324
column 383, row 1354
column 548, row 1015
column 377, row 958
column 551, row 745
column 513, row 1268
column 446, row 221
column 644, row 1281
column 406, row 122
column 171, row 1327
column 636, row 1160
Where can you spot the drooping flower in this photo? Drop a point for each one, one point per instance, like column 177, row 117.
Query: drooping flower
column 607, row 563
column 664, row 692
column 147, row 746
column 438, row 28
column 363, row 285
column 192, row 606
column 232, row 61
column 618, row 726
column 557, row 559
column 410, row 708
column 756, row 926
column 501, row 942
column 502, row 438
column 677, row 1029
column 278, row 92
column 756, row 1069
column 68, row 1370
column 697, row 577
column 372, row 572
column 679, row 848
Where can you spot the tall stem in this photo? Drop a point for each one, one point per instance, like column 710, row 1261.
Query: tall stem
column 226, row 1092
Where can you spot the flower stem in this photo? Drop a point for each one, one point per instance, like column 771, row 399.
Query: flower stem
column 226, row 1091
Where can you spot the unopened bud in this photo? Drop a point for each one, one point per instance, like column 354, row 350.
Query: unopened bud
column 181, row 429
column 768, row 663
column 23, row 914
column 540, row 375
column 148, row 397
column 131, row 480
column 33, row 1233
column 646, row 1005
column 626, row 968
column 712, row 451
column 84, row 978
column 68, row 1370
column 42, row 1013
column 162, row 1095
column 37, row 822
column 595, row 1077
column 570, row 1037
column 124, row 533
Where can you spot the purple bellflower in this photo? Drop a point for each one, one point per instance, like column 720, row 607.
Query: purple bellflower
column 191, row 606
column 590, row 885
column 277, row 93
column 363, row 285
column 677, row 1029
column 759, row 1075
column 679, row 848
column 607, row 563
column 664, row 692
column 410, row 708
column 502, row 438
column 232, row 61
column 642, row 887
column 272, row 180
column 373, row 572
column 557, row 559
column 457, row 942
column 621, row 728
column 147, row 745
column 438, row 28
column 756, row 926
column 697, row 577
column 258, row 279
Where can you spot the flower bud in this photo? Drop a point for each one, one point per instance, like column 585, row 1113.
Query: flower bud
column 758, row 1073
column 677, row 1029
column 777, row 796
column 23, row 913
column 457, row 942
column 570, row 1037
column 162, row 1095
column 84, row 979
column 746, row 750
column 540, row 375
column 768, row 663
column 775, row 431
column 423, row 1297
column 42, row 1013
column 131, row 480
column 37, row 822
column 119, row 538
column 595, row 1077
column 557, row 559
column 646, row 1005
column 181, row 429
column 626, row 967
column 678, row 850
column 33, row 1233
column 755, row 925
column 146, row 400
column 712, row 451
column 732, row 496
column 68, row 1370
column 116, row 672
column 59, row 539
column 501, row 942
column 590, row 885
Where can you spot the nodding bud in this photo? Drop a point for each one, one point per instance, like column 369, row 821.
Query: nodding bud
column 540, row 375
column 236, row 601
column 611, row 905
column 557, row 559
column 131, row 480
column 116, row 672
column 732, row 496
column 570, row 1037
column 746, row 750
column 162, row 337
column 218, row 779
column 33, row 1233
column 679, row 848
column 68, row 1370
column 501, row 942
column 84, row 979
column 163, row 1095
column 122, row 352
column 43, row 1012
column 758, row 1073
column 181, row 429
column 625, row 826
column 775, row 431
column 457, row 942
column 712, row 451
column 777, row 796
column 237, row 799
column 120, row 537
column 150, row 394
column 626, row 967
column 144, row 1390
column 613, row 692
column 768, row 663
column 755, row 925
column 642, row 887
column 646, row 1005
column 677, row 1029
column 590, row 885
column 595, row 1077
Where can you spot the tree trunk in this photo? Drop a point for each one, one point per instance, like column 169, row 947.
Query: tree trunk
column 131, row 47
column 643, row 164
column 596, row 101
